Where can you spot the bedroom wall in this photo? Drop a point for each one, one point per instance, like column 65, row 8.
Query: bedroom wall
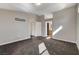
column 66, row 20
column 11, row 30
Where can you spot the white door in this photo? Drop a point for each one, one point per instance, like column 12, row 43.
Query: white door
column 38, row 28
column 33, row 28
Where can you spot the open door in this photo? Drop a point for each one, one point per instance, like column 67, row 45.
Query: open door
column 49, row 29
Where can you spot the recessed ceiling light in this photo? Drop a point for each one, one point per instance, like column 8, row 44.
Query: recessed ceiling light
column 37, row 3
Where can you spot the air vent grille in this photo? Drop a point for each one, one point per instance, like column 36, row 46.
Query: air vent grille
column 19, row 19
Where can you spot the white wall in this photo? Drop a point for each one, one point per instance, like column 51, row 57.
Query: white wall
column 77, row 31
column 11, row 30
column 77, row 41
column 67, row 19
column 43, row 28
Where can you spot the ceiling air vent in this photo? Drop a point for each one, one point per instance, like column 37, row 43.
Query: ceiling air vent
column 19, row 19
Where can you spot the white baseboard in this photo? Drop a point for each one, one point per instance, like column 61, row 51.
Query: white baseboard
column 65, row 40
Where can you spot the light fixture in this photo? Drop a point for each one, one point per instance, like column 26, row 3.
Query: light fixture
column 37, row 3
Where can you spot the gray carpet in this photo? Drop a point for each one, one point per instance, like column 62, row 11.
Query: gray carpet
column 30, row 47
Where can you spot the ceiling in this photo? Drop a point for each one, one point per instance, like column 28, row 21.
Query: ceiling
column 44, row 8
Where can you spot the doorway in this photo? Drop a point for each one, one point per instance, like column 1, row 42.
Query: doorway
column 49, row 30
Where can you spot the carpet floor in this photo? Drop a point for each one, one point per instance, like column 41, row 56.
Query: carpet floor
column 30, row 47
